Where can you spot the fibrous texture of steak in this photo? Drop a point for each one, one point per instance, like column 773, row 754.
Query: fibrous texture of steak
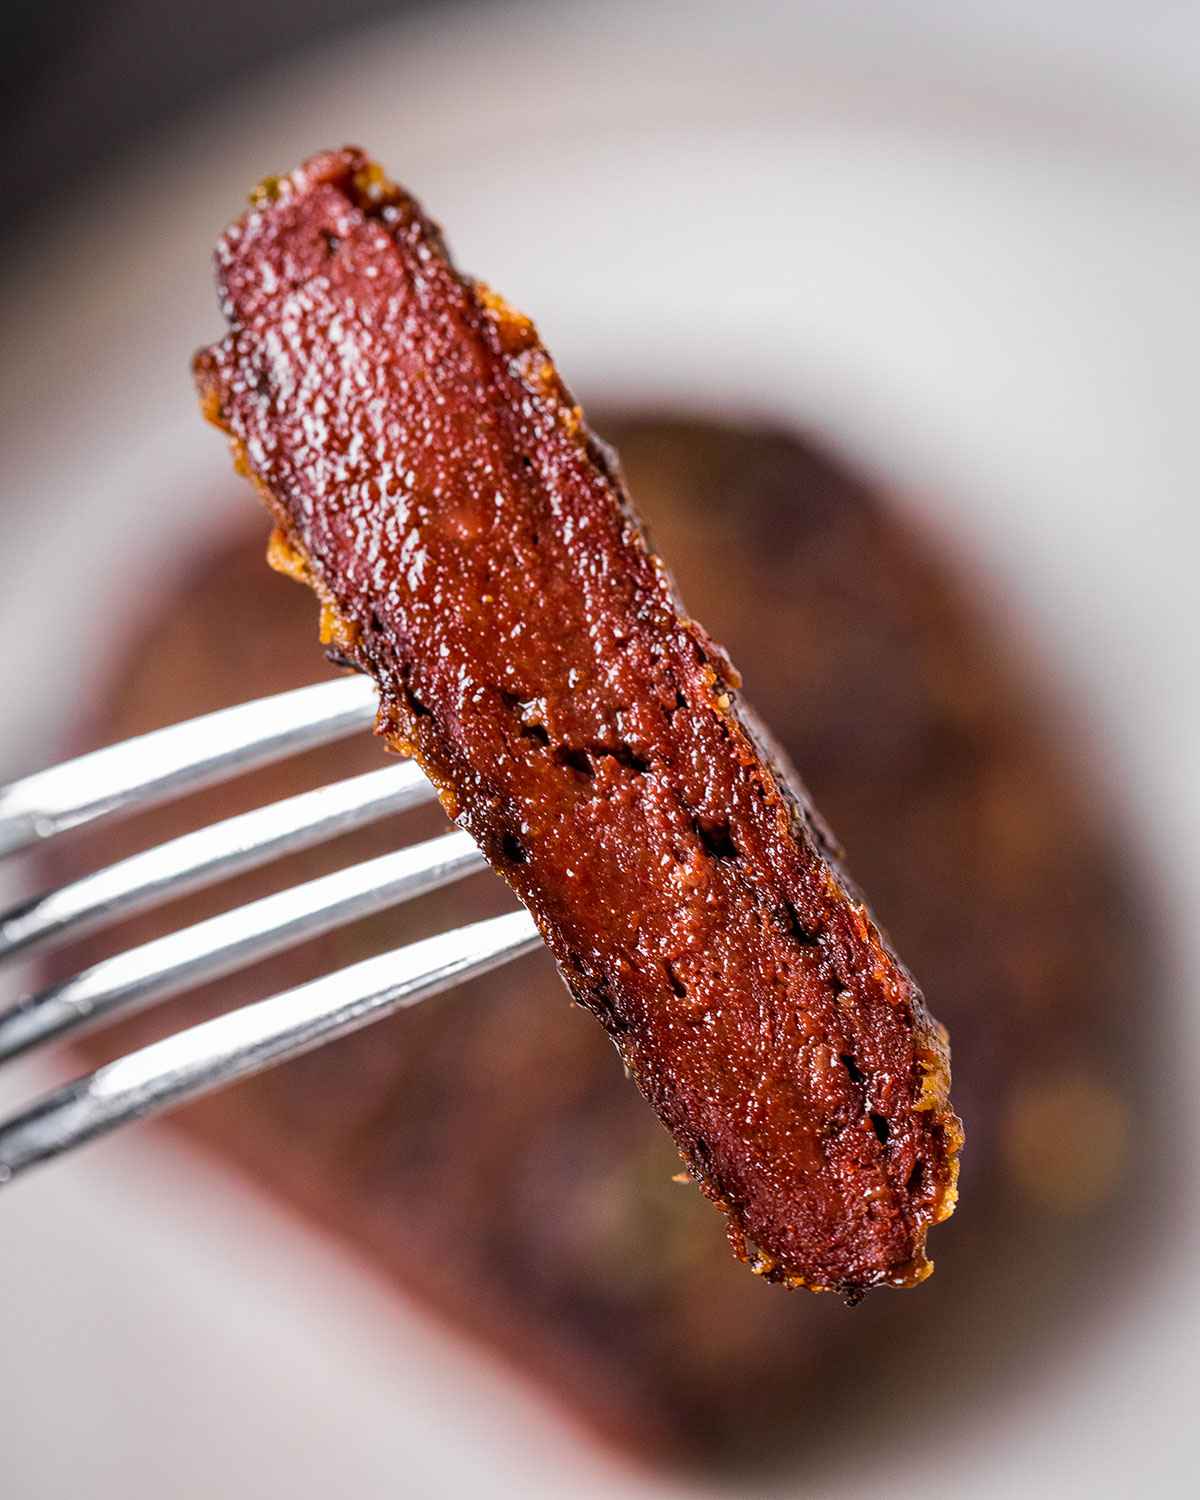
column 474, row 551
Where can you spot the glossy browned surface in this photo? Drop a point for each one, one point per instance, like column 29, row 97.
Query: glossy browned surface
column 476, row 555
column 485, row 1152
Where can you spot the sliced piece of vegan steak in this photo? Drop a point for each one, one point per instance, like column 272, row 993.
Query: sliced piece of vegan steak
column 475, row 552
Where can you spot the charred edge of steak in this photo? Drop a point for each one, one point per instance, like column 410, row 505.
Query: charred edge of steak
column 928, row 1194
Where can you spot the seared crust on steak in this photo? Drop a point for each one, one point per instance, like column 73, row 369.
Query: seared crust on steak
column 475, row 553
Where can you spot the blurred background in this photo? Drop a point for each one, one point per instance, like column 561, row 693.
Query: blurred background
column 890, row 310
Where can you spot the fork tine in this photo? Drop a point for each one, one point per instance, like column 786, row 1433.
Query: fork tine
column 247, row 1041
column 181, row 758
column 159, row 969
column 209, row 854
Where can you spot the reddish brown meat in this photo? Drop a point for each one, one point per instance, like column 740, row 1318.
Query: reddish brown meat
column 475, row 553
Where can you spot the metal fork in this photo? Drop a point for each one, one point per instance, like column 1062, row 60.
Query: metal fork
column 166, row 763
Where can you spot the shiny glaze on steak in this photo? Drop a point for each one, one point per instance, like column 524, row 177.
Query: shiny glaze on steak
column 475, row 553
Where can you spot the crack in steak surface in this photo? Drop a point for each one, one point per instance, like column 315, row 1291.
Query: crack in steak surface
column 475, row 553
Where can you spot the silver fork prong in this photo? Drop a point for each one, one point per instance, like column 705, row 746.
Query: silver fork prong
column 217, row 1052
column 159, row 969
column 197, row 859
column 181, row 758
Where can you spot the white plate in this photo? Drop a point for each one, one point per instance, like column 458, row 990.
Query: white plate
column 966, row 248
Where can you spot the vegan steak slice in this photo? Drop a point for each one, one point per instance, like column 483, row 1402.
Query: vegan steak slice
column 475, row 553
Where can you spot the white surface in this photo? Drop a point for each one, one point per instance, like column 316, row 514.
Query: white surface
column 969, row 238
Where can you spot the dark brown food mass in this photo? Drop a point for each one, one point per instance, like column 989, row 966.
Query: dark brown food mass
column 482, row 1154
column 474, row 552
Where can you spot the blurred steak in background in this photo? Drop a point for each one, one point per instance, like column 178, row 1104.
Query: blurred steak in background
column 485, row 1151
